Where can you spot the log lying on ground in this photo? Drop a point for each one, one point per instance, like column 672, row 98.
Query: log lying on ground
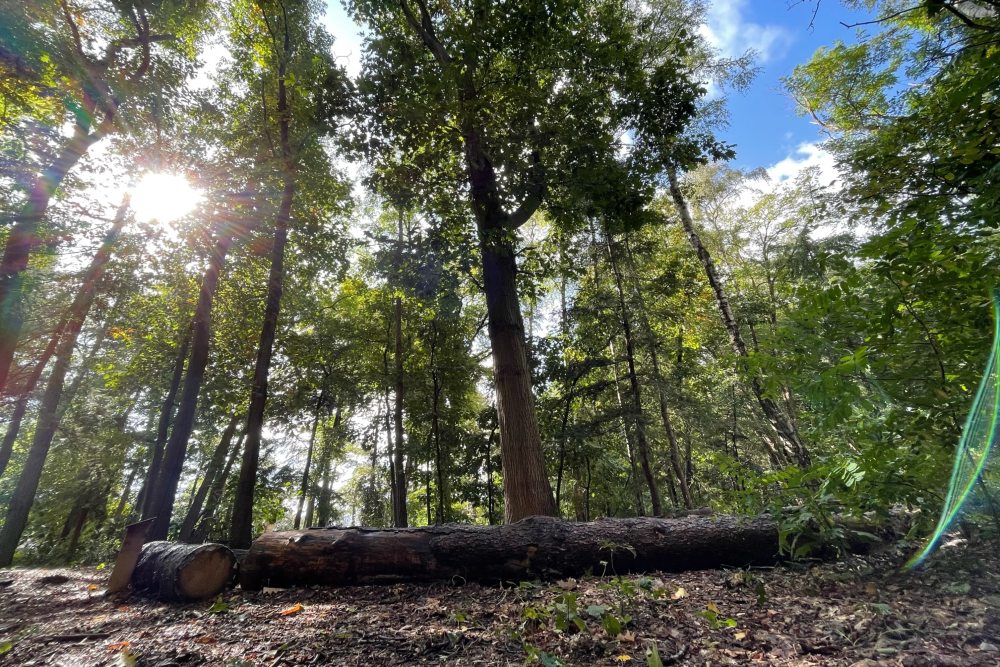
column 533, row 547
column 183, row 572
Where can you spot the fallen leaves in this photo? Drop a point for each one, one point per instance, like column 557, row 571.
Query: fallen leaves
column 804, row 623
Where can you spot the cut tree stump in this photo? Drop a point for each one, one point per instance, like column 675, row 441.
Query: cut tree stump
column 128, row 556
column 183, row 572
column 533, row 547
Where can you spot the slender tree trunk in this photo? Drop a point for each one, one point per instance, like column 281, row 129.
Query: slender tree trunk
column 214, row 467
column 782, row 426
column 304, row 490
column 241, row 530
column 126, row 490
column 399, row 512
column 144, row 501
column 161, row 496
column 24, row 395
column 633, row 378
column 675, row 453
column 633, row 480
column 211, row 506
column 48, row 414
column 490, row 493
column 436, row 426
column 74, row 538
column 23, row 235
column 323, row 509
column 564, row 330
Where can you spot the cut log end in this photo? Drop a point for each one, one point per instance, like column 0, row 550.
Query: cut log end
column 183, row 572
column 206, row 574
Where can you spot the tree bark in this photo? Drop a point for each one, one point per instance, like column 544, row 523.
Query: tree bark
column 534, row 547
column 215, row 494
column 526, row 486
column 324, row 501
column 48, row 414
column 633, row 379
column 144, row 501
column 782, row 426
column 161, row 501
column 214, row 467
column 241, row 530
column 304, row 489
column 525, row 479
column 400, row 518
column 183, row 572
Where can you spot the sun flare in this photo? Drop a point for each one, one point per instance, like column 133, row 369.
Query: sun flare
column 163, row 198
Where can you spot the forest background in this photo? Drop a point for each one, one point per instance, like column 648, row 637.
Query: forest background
column 507, row 261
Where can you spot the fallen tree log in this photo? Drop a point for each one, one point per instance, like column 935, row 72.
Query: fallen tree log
column 533, row 547
column 183, row 572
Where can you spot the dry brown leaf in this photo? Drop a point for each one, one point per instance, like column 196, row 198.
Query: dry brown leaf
column 567, row 584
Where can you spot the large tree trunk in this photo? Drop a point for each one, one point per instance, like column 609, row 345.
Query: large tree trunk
column 534, row 547
column 211, row 471
column 49, row 412
column 526, row 486
column 23, row 235
column 161, row 495
column 144, row 501
column 782, row 425
column 241, row 530
column 633, row 379
column 525, row 480
column 183, row 572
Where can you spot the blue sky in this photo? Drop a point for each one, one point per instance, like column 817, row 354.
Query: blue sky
column 763, row 124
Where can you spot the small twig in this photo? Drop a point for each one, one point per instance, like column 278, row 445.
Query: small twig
column 75, row 637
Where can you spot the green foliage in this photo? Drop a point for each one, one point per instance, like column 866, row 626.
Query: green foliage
column 864, row 306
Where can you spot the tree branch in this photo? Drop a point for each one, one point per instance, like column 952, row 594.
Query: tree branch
column 425, row 29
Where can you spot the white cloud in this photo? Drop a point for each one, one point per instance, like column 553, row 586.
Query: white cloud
column 783, row 173
column 805, row 156
column 727, row 31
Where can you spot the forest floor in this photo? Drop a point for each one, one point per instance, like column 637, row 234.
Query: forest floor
column 861, row 612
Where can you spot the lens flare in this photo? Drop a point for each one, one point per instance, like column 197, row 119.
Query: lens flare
column 978, row 437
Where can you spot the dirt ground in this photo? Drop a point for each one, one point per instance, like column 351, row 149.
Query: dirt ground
column 861, row 612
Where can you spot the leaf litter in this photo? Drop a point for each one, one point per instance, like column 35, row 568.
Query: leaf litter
column 861, row 612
